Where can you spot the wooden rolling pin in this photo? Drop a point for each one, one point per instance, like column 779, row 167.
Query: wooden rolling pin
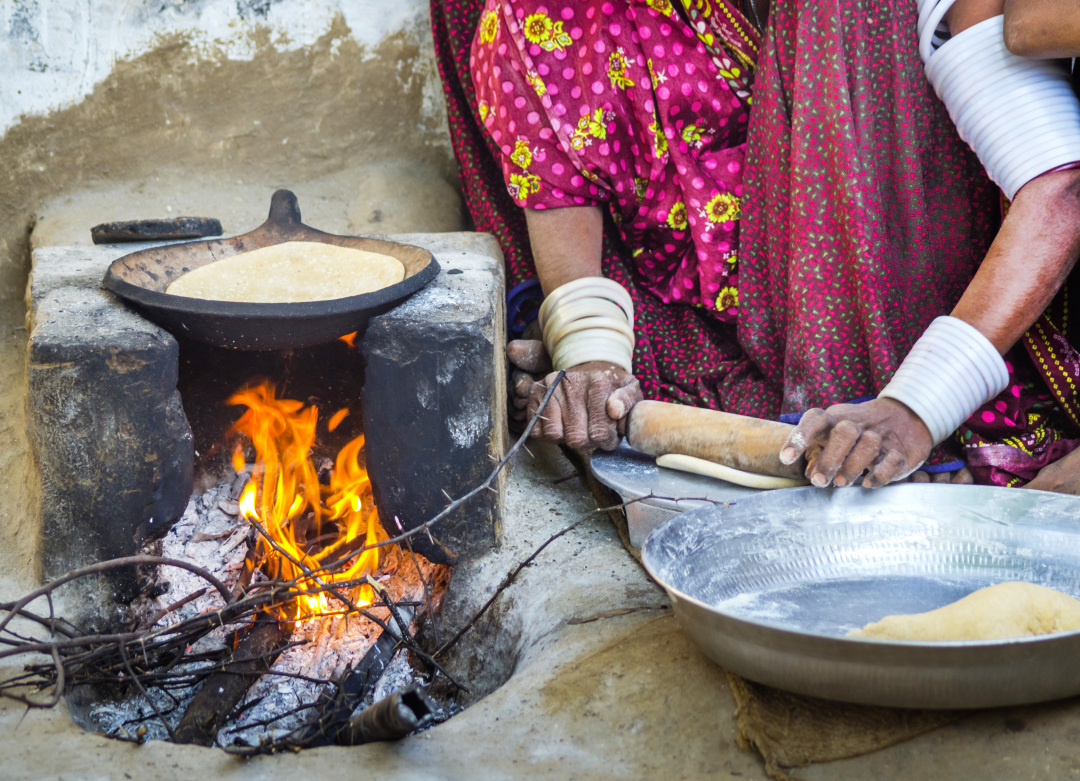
column 749, row 444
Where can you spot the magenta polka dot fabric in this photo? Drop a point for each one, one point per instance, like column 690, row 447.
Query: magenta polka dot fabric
column 625, row 105
column 863, row 216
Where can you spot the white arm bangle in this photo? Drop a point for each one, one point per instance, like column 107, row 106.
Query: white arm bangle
column 573, row 311
column 619, row 325
column 1018, row 114
column 951, row 371
column 586, row 346
column 589, row 319
column 587, row 287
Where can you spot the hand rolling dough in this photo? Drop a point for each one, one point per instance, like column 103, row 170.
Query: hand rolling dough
column 289, row 273
column 994, row 612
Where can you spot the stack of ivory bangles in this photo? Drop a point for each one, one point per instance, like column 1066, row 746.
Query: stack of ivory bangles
column 1022, row 118
column 588, row 319
column 1019, row 115
column 951, row 371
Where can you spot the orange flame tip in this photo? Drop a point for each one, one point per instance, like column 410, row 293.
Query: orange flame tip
column 285, row 484
column 336, row 419
column 238, row 458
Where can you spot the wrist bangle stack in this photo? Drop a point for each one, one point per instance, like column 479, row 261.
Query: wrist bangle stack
column 588, row 319
column 1020, row 115
column 951, row 371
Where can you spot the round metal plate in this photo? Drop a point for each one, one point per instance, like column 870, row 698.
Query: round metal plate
column 770, row 586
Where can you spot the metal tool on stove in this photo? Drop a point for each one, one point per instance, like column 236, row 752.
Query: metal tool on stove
column 140, row 279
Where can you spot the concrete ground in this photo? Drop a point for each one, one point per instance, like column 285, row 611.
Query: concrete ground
column 602, row 684
column 599, row 680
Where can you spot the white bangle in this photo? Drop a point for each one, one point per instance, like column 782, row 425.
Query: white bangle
column 1018, row 114
column 587, row 346
column 588, row 287
column 590, row 323
column 951, row 371
column 589, row 319
column 572, row 311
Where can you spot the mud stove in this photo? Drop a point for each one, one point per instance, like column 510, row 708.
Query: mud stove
column 135, row 434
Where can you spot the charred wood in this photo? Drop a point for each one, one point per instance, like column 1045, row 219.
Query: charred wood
column 335, row 709
column 221, row 692
column 391, row 718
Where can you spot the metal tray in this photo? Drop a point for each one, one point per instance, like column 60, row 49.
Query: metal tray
column 140, row 279
column 769, row 587
column 663, row 492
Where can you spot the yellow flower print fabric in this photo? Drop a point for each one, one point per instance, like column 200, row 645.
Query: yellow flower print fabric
column 619, row 103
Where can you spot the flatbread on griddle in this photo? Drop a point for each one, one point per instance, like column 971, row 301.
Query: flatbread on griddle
column 289, row 273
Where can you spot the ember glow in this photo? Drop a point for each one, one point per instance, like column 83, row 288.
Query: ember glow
column 314, row 524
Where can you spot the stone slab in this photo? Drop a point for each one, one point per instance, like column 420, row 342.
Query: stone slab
column 438, row 427
column 75, row 266
column 106, row 426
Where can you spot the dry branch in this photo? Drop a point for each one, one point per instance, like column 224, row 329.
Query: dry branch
column 158, row 656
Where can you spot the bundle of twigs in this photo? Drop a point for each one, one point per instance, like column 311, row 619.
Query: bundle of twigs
column 158, row 654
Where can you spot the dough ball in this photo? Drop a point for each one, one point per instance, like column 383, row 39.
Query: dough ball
column 1003, row 610
column 290, row 273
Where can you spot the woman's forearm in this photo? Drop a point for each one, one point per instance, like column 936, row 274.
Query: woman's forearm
column 1046, row 29
column 1034, row 251
column 566, row 243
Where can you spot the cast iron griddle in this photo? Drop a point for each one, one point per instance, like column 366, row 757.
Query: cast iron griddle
column 140, row 279
column 770, row 586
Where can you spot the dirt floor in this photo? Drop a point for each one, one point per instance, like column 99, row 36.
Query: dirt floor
column 603, row 685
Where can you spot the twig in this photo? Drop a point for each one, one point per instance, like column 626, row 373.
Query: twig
column 427, row 588
column 105, row 566
column 426, row 525
column 509, row 579
column 176, row 606
column 142, row 690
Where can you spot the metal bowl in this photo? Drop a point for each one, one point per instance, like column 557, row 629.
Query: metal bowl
column 770, row 586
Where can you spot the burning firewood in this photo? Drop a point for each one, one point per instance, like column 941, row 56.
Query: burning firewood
column 298, row 578
column 254, row 656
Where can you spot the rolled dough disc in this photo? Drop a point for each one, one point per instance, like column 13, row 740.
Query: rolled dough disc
column 999, row 611
column 290, row 273
column 699, row 466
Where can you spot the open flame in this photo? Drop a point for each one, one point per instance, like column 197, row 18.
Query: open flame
column 285, row 497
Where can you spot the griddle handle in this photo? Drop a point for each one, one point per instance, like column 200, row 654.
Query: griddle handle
column 284, row 209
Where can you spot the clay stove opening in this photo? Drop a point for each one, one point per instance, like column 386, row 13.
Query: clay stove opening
column 281, row 494
column 419, row 386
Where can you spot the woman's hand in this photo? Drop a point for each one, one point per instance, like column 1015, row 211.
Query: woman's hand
column 529, row 362
column 881, row 436
column 1062, row 476
column 586, row 408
